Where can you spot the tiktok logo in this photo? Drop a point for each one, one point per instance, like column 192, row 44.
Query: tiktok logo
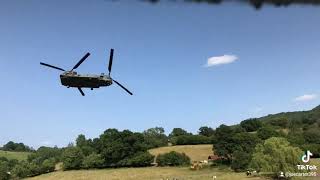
column 306, row 157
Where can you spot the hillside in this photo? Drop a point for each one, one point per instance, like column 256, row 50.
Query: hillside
column 14, row 155
column 304, row 117
column 195, row 152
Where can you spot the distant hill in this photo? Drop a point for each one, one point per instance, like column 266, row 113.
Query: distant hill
column 303, row 116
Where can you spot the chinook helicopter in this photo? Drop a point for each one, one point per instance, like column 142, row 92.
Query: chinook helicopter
column 72, row 79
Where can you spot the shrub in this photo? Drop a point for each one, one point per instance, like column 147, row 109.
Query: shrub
column 142, row 159
column 4, row 169
column 48, row 165
column 72, row 158
column 26, row 169
column 93, row 160
column 173, row 159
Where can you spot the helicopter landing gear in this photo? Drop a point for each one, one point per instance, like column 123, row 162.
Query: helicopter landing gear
column 91, row 89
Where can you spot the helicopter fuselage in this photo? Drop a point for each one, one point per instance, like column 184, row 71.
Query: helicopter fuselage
column 73, row 79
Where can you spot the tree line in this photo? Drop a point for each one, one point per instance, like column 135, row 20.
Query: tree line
column 272, row 143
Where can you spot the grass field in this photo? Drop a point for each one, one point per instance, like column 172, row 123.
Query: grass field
column 195, row 152
column 149, row 173
column 14, row 155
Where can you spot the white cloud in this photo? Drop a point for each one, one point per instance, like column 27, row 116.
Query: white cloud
column 219, row 60
column 306, row 97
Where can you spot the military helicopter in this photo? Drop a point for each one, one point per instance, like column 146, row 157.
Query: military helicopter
column 72, row 79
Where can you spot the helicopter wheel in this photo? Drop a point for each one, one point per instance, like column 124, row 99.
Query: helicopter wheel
column 91, row 89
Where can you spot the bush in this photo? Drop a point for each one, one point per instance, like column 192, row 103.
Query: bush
column 141, row 160
column 4, row 169
column 173, row 159
column 93, row 160
column 72, row 158
column 48, row 165
column 44, row 153
column 26, row 169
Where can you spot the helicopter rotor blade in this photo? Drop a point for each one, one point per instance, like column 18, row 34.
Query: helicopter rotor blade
column 82, row 93
column 110, row 61
column 122, row 87
column 81, row 61
column 54, row 67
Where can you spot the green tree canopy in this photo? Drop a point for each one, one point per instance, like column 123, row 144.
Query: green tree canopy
column 206, row 131
column 251, row 124
column 155, row 137
column 276, row 155
column 178, row 132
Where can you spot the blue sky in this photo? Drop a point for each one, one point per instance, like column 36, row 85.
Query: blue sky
column 161, row 55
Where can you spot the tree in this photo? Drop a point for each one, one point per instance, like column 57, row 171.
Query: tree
column 84, row 144
column 295, row 137
column 312, row 135
column 12, row 146
column 266, row 132
column 116, row 146
column 44, row 153
column 155, row 137
column 240, row 161
column 178, row 132
column 191, row 140
column 276, row 155
column 245, row 142
column 251, row 125
column 72, row 158
column 280, row 122
column 206, row 131
column 173, row 159
column 223, row 145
